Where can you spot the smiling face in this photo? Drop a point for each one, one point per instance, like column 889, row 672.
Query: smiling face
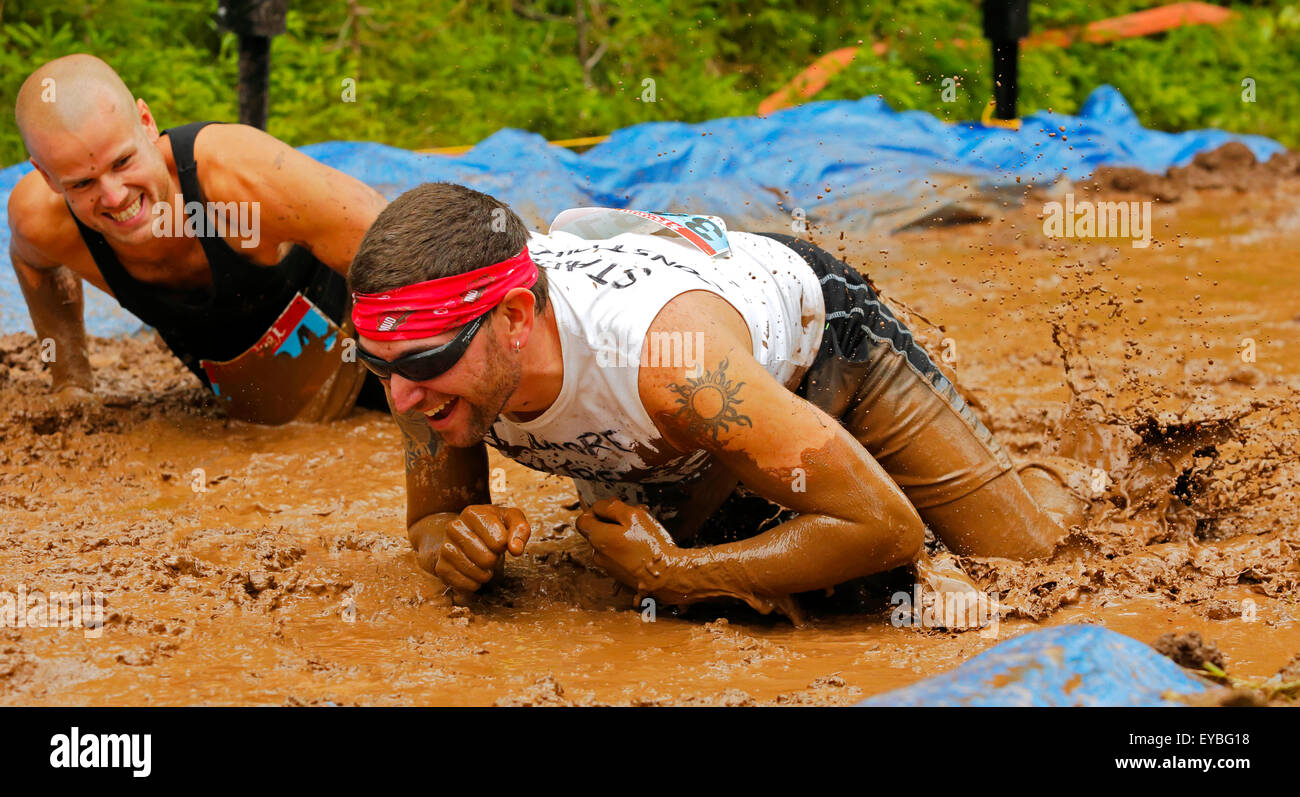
column 461, row 404
column 108, row 169
column 95, row 145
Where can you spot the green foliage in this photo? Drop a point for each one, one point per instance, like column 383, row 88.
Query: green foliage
column 434, row 73
column 1187, row 78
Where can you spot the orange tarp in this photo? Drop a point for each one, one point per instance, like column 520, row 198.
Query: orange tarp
column 810, row 81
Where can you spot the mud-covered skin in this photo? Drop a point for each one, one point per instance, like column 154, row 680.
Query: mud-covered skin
column 853, row 519
column 632, row 546
column 456, row 532
column 55, row 302
column 474, row 542
column 846, row 514
column 874, row 379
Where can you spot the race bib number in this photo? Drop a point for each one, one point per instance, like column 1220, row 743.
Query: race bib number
column 706, row 233
column 279, row 375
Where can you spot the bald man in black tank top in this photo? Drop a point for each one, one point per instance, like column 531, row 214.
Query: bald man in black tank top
column 230, row 243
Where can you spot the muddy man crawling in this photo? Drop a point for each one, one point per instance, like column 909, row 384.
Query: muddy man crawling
column 740, row 413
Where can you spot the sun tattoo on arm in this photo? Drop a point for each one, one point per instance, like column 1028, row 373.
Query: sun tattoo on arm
column 708, row 402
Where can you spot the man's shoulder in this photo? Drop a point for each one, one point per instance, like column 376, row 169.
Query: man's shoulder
column 231, row 139
column 39, row 219
column 233, row 159
column 699, row 306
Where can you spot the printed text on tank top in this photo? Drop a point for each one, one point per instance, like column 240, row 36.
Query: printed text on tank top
column 605, row 295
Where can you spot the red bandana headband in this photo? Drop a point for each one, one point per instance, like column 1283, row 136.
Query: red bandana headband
column 427, row 309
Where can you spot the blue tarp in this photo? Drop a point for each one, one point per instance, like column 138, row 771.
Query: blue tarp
column 1070, row 665
column 840, row 162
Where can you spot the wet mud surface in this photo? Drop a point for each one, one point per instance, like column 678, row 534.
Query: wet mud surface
column 252, row 565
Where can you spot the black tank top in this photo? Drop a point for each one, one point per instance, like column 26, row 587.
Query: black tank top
column 245, row 298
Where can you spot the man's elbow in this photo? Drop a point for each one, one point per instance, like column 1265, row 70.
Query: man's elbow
column 910, row 539
column 896, row 536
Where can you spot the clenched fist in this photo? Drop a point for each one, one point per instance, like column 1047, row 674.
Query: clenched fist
column 630, row 544
column 466, row 550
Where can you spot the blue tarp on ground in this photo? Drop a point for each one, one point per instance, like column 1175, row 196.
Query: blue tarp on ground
column 1070, row 665
column 840, row 162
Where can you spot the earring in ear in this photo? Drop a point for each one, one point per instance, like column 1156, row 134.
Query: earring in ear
column 516, row 345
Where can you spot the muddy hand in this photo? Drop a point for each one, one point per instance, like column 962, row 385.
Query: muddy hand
column 629, row 542
column 475, row 544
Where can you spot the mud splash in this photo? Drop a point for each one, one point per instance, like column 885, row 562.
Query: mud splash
column 246, row 564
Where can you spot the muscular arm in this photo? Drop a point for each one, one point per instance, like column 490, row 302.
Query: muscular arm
column 302, row 201
column 457, row 534
column 441, row 481
column 854, row 519
column 54, row 298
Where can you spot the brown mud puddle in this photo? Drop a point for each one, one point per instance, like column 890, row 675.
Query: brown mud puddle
column 270, row 566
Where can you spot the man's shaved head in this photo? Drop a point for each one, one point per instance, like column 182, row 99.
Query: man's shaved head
column 84, row 90
column 95, row 145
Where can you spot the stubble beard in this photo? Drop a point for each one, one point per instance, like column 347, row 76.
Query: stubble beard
column 503, row 371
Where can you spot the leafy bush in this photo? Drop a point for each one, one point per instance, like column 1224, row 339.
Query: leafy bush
column 443, row 72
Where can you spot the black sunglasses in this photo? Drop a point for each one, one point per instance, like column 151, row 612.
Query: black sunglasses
column 425, row 364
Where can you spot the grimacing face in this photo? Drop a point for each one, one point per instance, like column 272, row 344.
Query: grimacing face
column 110, row 172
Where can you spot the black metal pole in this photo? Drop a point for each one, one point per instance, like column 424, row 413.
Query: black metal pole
column 254, row 79
column 254, row 22
column 1006, row 73
column 1006, row 22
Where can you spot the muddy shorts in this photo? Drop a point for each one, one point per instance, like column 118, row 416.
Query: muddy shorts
column 873, row 377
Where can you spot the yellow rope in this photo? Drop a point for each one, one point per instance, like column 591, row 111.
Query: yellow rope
column 988, row 121
column 461, row 149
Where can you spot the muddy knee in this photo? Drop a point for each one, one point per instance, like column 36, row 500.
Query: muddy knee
column 1053, row 496
column 1001, row 518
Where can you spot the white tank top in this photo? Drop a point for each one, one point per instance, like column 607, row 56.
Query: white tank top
column 606, row 293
